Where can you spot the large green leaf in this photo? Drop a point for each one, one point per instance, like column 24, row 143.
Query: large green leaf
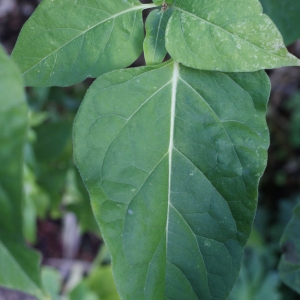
column 289, row 266
column 230, row 36
column 285, row 14
column 19, row 265
column 172, row 157
column 154, row 43
column 66, row 41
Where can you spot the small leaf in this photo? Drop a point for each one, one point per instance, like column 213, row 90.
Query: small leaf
column 171, row 157
column 52, row 281
column 285, row 14
column 82, row 291
column 289, row 266
column 154, row 43
column 230, row 36
column 66, row 41
column 101, row 282
column 19, row 265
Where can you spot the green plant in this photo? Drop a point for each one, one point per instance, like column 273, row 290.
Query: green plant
column 172, row 152
column 19, row 265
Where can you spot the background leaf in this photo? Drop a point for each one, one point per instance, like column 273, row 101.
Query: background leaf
column 52, row 282
column 20, row 263
column 101, row 282
column 82, row 291
column 289, row 266
column 230, row 36
column 285, row 14
column 256, row 282
column 78, row 39
column 173, row 178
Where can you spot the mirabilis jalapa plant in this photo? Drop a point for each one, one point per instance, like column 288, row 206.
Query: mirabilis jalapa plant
column 171, row 153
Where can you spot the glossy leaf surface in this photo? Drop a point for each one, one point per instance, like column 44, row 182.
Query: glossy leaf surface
column 172, row 157
column 66, row 41
column 230, row 36
column 19, row 265
column 154, row 43
column 289, row 266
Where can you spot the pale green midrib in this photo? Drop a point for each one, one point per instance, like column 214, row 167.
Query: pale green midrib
column 140, row 7
column 227, row 32
column 21, row 270
column 175, row 78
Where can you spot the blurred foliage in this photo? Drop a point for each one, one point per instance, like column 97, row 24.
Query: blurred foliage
column 82, row 291
column 52, row 183
column 51, row 279
column 20, row 264
column 289, row 266
column 293, row 107
column 256, row 282
column 101, row 282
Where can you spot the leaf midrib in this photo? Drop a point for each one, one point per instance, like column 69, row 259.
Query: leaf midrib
column 175, row 79
column 140, row 7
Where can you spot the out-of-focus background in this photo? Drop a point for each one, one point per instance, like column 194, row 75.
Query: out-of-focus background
column 58, row 220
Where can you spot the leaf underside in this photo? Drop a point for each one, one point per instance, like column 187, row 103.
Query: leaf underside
column 229, row 36
column 66, row 41
column 19, row 265
column 172, row 157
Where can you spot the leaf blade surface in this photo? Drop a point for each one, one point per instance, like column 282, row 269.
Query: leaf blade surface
column 65, row 42
column 172, row 169
column 229, row 36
